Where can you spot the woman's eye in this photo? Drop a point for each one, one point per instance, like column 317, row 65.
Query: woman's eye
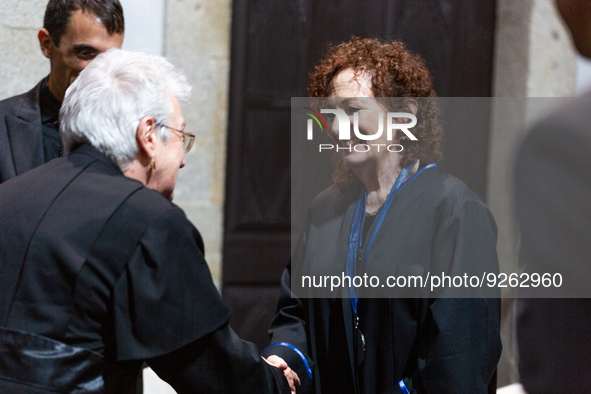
column 328, row 117
column 352, row 110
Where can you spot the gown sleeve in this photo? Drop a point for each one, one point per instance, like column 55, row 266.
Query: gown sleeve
column 165, row 298
column 288, row 334
column 219, row 363
column 289, row 339
column 461, row 345
column 168, row 311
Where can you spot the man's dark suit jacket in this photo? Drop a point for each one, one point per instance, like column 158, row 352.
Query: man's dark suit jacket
column 21, row 143
column 553, row 201
column 99, row 273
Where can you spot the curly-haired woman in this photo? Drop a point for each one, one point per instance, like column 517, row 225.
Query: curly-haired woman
column 390, row 211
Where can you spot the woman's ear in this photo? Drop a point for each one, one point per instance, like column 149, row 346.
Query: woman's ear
column 412, row 106
column 146, row 138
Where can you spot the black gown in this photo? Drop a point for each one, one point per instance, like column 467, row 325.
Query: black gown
column 98, row 274
column 436, row 345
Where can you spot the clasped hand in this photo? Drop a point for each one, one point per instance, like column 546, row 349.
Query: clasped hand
column 292, row 377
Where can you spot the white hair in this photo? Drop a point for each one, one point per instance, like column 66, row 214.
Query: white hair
column 105, row 104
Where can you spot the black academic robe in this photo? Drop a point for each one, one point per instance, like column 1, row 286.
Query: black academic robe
column 436, row 345
column 99, row 274
column 21, row 138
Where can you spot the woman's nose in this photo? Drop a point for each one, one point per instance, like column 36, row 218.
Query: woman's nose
column 334, row 130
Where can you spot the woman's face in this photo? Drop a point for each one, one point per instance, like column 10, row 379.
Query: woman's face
column 169, row 157
column 353, row 94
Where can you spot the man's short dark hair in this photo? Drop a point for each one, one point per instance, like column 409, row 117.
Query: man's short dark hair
column 57, row 15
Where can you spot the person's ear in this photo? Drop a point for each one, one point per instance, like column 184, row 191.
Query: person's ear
column 46, row 43
column 146, row 138
column 412, row 106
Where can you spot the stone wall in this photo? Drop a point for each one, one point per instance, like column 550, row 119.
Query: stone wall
column 197, row 39
column 534, row 57
column 21, row 65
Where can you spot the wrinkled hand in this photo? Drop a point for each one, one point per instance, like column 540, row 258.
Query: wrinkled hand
column 292, row 378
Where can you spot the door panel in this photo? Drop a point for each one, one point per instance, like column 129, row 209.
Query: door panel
column 275, row 45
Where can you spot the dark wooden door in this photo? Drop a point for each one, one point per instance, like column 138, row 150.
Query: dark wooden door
column 275, row 44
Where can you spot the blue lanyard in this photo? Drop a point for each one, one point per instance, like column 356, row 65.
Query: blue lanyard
column 355, row 237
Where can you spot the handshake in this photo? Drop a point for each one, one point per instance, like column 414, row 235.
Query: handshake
column 290, row 375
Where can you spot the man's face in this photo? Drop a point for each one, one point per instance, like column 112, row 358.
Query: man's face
column 84, row 39
column 169, row 156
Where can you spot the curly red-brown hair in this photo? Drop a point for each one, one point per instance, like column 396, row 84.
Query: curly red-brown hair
column 395, row 72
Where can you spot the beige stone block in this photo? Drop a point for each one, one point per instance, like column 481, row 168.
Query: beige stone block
column 206, row 116
column 194, row 179
column 197, row 40
column 507, row 127
column 22, row 64
column 533, row 53
column 200, row 27
column 23, row 14
column 206, row 113
column 533, row 58
column 221, row 97
column 552, row 66
column 218, row 170
column 511, row 57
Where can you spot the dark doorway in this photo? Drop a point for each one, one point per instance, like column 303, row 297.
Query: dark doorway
column 274, row 47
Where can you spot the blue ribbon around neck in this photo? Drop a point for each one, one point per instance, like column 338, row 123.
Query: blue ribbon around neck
column 355, row 237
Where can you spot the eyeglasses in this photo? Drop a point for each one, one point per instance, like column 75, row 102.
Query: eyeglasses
column 187, row 138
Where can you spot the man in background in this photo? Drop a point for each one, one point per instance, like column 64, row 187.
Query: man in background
column 553, row 189
column 74, row 32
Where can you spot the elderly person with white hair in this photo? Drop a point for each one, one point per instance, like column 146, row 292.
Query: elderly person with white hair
column 100, row 270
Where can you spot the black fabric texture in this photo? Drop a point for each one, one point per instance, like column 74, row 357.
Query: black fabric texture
column 50, row 110
column 440, row 345
column 21, row 139
column 231, row 365
column 39, row 363
column 98, row 262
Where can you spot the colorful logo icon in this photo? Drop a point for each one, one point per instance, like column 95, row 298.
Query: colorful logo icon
column 315, row 115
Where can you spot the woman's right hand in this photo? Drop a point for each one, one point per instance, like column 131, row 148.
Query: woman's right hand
column 291, row 376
